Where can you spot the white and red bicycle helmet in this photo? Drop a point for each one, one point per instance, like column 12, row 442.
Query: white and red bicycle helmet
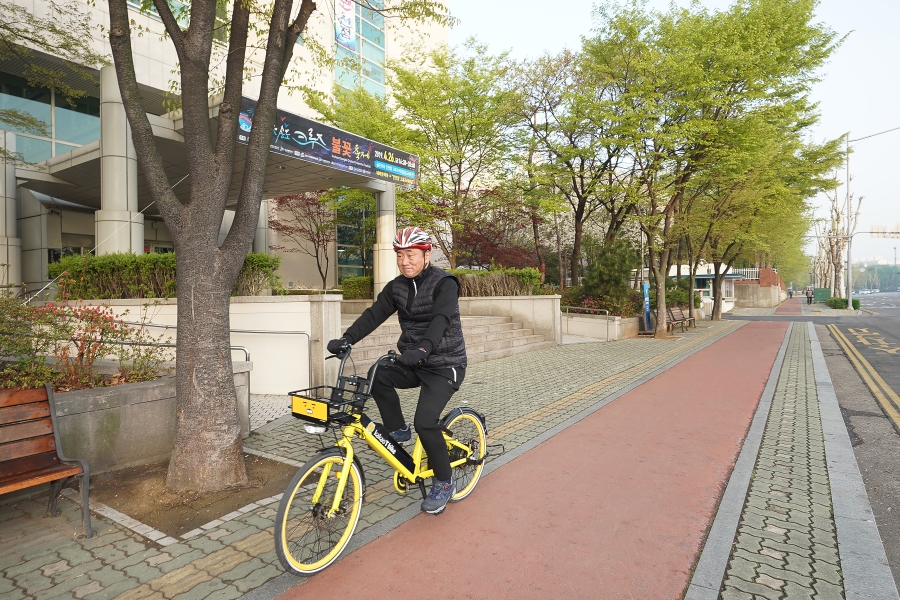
column 412, row 237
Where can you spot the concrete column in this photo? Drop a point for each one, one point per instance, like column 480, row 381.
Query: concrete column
column 119, row 226
column 261, row 237
column 384, row 260
column 10, row 243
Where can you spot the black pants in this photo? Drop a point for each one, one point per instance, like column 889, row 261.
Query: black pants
column 437, row 387
column 809, row 299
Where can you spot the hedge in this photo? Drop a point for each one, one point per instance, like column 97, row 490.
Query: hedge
column 497, row 282
column 840, row 303
column 358, row 288
column 126, row 275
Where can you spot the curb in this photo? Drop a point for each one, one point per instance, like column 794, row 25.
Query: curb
column 867, row 575
column 285, row 581
column 710, row 570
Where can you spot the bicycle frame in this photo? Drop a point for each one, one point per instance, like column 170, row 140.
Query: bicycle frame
column 357, row 429
column 363, row 427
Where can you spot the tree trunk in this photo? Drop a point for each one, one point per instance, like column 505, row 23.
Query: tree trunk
column 574, row 263
column 718, row 278
column 660, row 282
column 542, row 267
column 692, row 276
column 207, row 454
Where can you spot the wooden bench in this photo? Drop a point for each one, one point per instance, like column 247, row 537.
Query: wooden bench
column 679, row 316
column 670, row 325
column 30, row 451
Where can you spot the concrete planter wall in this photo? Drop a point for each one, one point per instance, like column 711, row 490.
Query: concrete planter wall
column 125, row 425
column 282, row 361
column 599, row 326
column 540, row 313
column 754, row 295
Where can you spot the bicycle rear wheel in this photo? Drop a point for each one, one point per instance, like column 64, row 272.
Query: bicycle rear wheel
column 468, row 430
column 306, row 539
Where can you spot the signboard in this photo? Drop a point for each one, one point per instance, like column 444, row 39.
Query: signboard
column 314, row 142
column 345, row 23
column 646, row 307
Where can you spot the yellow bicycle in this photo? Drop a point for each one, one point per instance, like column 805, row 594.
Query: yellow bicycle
column 321, row 505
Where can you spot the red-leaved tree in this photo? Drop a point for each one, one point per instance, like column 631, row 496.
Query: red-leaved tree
column 309, row 221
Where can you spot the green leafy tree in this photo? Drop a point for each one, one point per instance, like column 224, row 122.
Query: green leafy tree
column 207, row 454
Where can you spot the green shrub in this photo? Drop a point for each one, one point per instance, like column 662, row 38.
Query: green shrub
column 358, row 288
column 855, row 304
column 608, row 275
column 497, row 281
column 836, row 302
column 258, row 275
column 126, row 275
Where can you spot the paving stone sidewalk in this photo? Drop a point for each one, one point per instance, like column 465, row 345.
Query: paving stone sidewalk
column 522, row 396
column 786, row 543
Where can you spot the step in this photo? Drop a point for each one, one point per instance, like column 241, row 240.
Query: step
column 382, row 337
column 347, row 320
column 365, row 351
column 476, row 353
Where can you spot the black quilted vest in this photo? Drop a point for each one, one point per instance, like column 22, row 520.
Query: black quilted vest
column 451, row 351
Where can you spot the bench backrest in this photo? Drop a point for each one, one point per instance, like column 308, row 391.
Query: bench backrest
column 27, row 441
column 677, row 313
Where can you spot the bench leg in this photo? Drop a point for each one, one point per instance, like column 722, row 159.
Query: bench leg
column 55, row 488
column 86, row 510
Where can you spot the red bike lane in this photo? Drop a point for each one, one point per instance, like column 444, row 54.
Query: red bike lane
column 615, row 506
column 791, row 307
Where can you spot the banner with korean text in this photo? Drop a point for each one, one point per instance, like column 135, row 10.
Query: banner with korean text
column 345, row 23
column 314, row 142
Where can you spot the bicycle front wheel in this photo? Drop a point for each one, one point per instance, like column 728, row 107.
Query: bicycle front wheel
column 307, row 538
column 469, row 431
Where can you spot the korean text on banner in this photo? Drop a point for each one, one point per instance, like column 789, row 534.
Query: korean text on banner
column 345, row 23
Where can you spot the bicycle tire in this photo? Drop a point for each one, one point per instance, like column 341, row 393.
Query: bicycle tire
column 306, row 541
column 467, row 428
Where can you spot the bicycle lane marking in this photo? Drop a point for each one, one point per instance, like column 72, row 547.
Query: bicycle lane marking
column 616, row 505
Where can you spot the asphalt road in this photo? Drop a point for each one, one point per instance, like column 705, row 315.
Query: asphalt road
column 863, row 358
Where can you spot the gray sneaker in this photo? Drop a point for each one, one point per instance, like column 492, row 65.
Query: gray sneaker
column 441, row 492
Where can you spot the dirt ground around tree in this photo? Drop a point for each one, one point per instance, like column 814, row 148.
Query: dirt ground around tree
column 140, row 492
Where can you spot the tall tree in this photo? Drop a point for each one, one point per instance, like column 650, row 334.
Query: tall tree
column 207, row 453
column 456, row 104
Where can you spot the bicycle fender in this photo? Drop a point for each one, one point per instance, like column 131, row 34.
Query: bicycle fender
column 460, row 410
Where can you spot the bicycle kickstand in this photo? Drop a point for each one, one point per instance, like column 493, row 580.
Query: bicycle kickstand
column 422, row 489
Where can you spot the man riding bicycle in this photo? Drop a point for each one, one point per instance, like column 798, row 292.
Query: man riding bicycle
column 426, row 300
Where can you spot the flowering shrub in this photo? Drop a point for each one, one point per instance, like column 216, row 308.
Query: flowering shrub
column 60, row 344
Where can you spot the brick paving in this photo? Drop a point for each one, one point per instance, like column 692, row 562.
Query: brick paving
column 265, row 408
column 523, row 396
column 786, row 543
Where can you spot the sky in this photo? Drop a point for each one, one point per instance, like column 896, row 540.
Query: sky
column 859, row 91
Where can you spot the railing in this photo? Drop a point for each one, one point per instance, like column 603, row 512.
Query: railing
column 253, row 331
column 592, row 310
column 747, row 273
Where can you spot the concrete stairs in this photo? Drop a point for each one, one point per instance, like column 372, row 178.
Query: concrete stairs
column 486, row 338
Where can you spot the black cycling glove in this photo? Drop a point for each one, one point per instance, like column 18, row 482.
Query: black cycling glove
column 412, row 357
column 335, row 346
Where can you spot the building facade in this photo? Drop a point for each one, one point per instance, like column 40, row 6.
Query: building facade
column 85, row 192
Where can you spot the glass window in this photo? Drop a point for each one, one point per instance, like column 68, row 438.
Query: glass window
column 16, row 94
column 375, row 18
column 373, row 53
column 346, row 59
column 372, row 87
column 79, row 124
column 33, row 150
column 372, row 34
column 345, row 78
column 373, row 71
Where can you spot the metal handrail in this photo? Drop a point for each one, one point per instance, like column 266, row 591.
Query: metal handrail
column 603, row 310
column 260, row 331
